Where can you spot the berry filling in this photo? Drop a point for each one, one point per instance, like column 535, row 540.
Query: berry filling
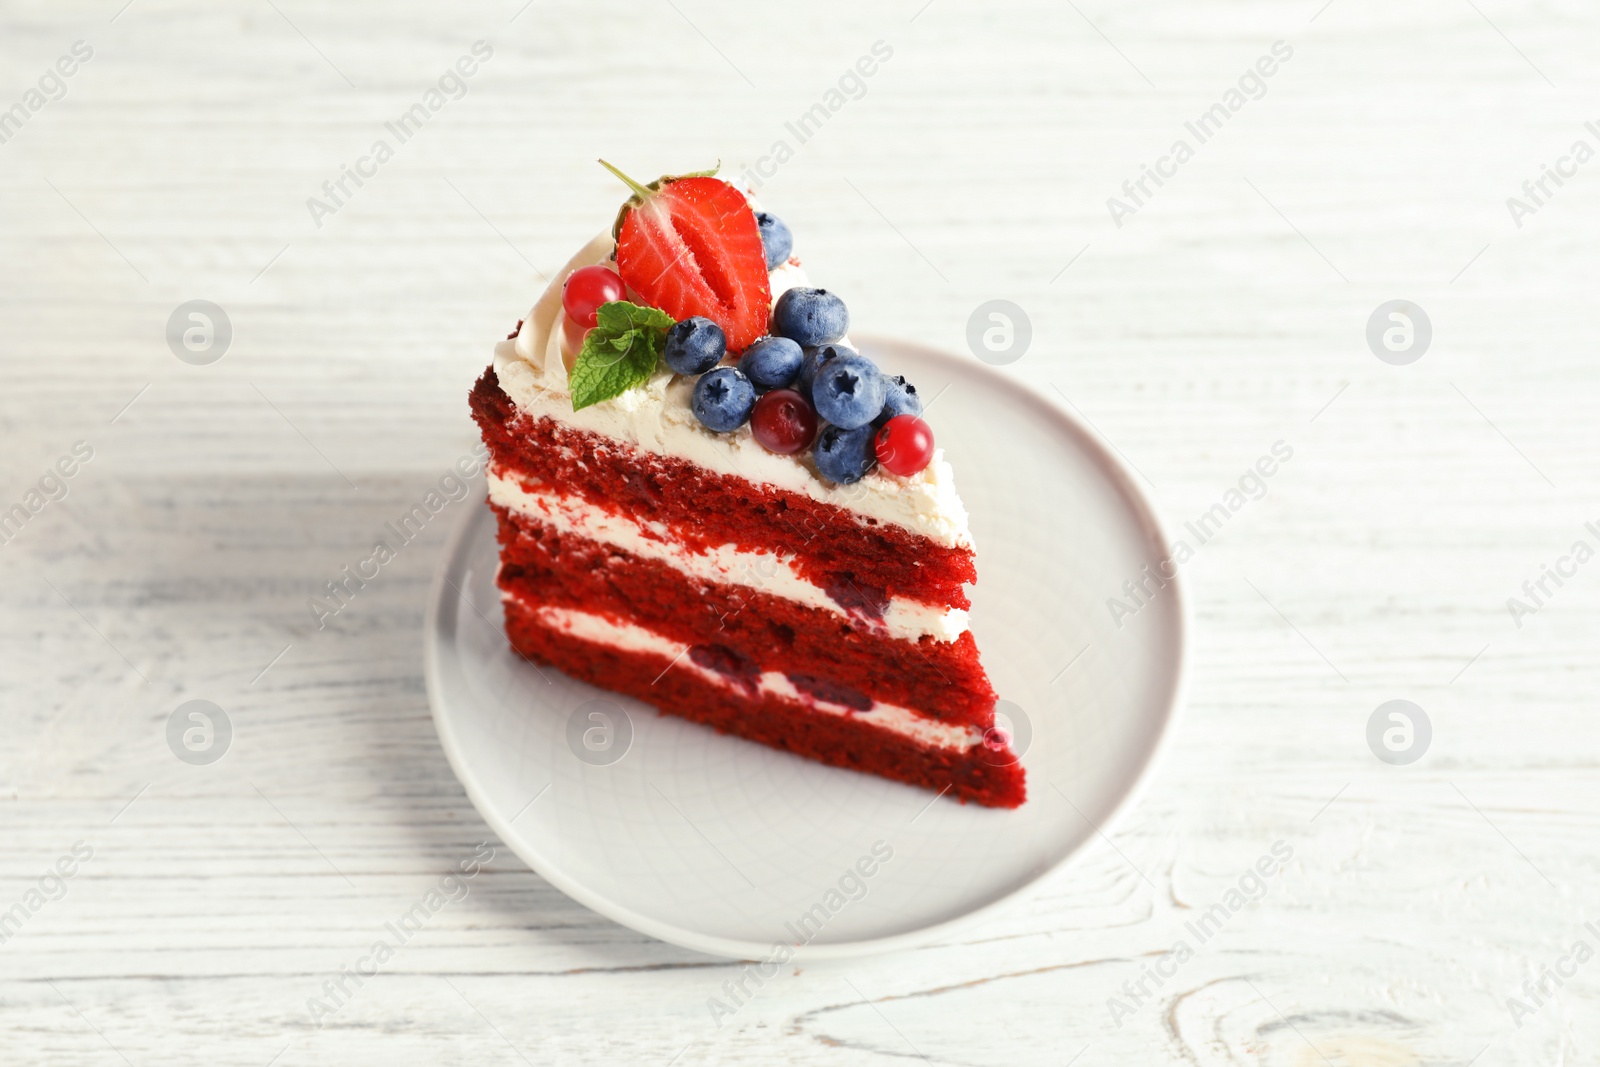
column 832, row 692
column 726, row 661
column 851, row 595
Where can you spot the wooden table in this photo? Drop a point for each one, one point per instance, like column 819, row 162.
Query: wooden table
column 1228, row 310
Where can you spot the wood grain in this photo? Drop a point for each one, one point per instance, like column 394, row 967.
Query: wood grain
column 1227, row 314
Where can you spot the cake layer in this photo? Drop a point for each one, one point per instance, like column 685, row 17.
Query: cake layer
column 860, row 562
column 818, row 695
column 941, row 679
column 723, row 564
column 628, row 659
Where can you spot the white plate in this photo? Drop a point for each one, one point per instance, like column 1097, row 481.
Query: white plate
column 722, row 845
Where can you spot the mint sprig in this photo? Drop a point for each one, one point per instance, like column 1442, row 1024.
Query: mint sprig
column 619, row 353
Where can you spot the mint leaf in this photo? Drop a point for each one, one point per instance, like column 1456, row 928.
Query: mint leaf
column 601, row 372
column 619, row 316
column 619, row 353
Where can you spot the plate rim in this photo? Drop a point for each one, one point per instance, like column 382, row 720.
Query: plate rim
column 739, row 949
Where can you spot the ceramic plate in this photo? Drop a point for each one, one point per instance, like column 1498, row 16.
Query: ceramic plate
column 731, row 848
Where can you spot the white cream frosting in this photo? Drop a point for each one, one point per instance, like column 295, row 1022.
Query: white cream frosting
column 765, row 571
column 656, row 417
column 629, row 637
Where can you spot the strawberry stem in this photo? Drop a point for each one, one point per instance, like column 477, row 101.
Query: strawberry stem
column 643, row 193
column 638, row 190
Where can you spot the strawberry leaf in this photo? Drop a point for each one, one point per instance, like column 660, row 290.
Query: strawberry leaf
column 619, row 353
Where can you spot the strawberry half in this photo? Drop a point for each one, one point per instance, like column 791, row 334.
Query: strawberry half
column 691, row 246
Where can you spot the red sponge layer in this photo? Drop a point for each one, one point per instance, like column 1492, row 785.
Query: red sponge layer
column 942, row 679
column 859, row 561
column 980, row 774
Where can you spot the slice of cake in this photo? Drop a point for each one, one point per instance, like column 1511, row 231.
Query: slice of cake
column 710, row 502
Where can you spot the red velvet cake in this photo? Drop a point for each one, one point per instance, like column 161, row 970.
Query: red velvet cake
column 708, row 501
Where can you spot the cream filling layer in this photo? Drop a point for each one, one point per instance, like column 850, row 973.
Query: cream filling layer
column 764, row 571
column 628, row 637
column 656, row 417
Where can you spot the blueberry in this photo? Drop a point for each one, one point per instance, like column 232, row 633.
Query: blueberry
column 814, row 358
column 776, row 240
column 899, row 398
column 723, row 399
column 695, row 345
column 844, row 456
column 848, row 391
column 772, row 362
column 810, row 316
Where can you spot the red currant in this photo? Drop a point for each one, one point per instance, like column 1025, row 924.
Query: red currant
column 784, row 422
column 904, row 445
column 586, row 289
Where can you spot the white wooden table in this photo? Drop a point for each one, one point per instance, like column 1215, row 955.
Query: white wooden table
column 1228, row 312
